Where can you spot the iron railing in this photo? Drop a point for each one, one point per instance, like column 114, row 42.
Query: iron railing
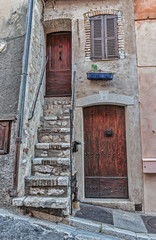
column 71, row 132
column 31, row 113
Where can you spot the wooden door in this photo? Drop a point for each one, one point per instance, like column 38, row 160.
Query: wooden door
column 58, row 74
column 105, row 152
column 4, row 136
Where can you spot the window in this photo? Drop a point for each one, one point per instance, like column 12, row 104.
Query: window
column 104, row 41
column 4, row 136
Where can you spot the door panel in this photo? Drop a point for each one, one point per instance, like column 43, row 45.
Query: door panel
column 105, row 152
column 4, row 136
column 58, row 74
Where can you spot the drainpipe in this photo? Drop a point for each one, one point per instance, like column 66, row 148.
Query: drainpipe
column 22, row 98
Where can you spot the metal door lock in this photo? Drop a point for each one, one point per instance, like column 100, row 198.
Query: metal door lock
column 75, row 146
column 109, row 132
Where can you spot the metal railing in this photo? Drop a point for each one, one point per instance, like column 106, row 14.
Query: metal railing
column 71, row 132
column 31, row 113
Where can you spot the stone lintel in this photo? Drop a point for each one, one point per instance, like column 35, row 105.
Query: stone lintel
column 105, row 98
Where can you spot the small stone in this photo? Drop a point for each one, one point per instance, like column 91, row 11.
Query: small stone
column 64, row 123
column 36, row 191
column 55, row 192
column 62, row 181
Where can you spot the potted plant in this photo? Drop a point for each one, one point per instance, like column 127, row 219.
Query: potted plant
column 96, row 74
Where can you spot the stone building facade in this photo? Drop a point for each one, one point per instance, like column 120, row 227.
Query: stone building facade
column 44, row 165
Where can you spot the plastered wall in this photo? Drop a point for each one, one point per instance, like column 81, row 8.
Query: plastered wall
column 12, row 36
column 145, row 16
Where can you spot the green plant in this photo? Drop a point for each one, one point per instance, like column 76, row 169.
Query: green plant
column 100, row 230
column 94, row 68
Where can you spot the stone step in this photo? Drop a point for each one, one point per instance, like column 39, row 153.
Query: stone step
column 47, row 135
column 57, row 111
column 54, row 146
column 51, row 161
column 56, row 121
column 47, row 186
column 56, row 151
column 47, row 191
column 41, row 202
column 54, row 117
column 57, row 101
column 51, row 166
column 55, row 130
column 46, row 181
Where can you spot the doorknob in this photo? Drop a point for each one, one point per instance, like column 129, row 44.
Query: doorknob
column 60, row 56
column 109, row 132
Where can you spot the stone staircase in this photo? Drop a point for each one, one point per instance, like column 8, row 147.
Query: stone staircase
column 47, row 189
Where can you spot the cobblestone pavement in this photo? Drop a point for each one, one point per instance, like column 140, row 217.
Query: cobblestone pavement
column 16, row 228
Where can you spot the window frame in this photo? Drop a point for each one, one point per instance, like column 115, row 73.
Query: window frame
column 104, row 38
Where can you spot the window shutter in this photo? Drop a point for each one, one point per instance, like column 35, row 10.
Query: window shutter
column 97, row 38
column 111, row 41
column 4, row 136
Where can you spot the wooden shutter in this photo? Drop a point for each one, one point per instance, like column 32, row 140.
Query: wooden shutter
column 4, row 137
column 97, row 37
column 104, row 42
column 111, row 42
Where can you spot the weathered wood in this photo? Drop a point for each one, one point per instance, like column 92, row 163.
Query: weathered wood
column 104, row 41
column 4, row 137
column 58, row 74
column 105, row 154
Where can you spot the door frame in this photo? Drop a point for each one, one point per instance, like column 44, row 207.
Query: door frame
column 92, row 141
column 83, row 161
column 104, row 98
column 58, row 33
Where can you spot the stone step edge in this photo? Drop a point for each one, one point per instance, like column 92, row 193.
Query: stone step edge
column 52, row 145
column 51, row 161
column 47, row 181
column 55, row 118
column 60, row 227
column 43, row 202
column 54, row 130
column 104, row 228
column 56, row 99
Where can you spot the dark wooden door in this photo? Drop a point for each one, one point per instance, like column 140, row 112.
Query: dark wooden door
column 58, row 74
column 4, row 136
column 105, row 152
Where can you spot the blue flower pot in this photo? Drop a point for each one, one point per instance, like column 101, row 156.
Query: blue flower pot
column 100, row 76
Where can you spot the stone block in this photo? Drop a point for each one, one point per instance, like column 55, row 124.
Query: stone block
column 18, row 201
column 37, row 191
column 55, row 192
column 63, row 181
column 129, row 221
column 44, row 202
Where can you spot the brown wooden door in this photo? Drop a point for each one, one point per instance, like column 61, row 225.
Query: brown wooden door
column 58, row 74
column 105, row 152
column 4, row 136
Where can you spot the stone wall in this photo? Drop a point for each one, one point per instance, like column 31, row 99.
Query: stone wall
column 37, row 60
column 12, row 36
